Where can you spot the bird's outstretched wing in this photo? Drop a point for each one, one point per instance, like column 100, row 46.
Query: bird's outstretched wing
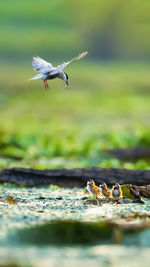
column 40, row 65
column 62, row 66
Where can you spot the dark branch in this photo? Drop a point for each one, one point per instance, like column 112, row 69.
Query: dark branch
column 130, row 154
column 74, row 177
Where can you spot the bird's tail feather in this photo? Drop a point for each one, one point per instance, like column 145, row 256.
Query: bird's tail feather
column 38, row 76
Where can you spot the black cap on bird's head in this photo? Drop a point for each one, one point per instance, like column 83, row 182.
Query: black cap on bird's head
column 103, row 186
column 66, row 79
column 90, row 183
column 116, row 186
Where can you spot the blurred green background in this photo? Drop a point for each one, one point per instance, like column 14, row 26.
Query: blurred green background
column 107, row 103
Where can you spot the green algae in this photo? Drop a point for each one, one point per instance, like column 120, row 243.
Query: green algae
column 126, row 192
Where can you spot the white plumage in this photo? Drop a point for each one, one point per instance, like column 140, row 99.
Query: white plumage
column 48, row 72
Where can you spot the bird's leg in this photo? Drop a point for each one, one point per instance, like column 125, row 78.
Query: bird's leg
column 44, row 84
column 47, row 85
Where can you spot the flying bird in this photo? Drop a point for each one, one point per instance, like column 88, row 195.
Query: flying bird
column 48, row 72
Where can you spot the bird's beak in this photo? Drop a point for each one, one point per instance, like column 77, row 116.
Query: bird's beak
column 67, row 83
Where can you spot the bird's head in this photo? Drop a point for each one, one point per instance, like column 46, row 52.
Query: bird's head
column 90, row 183
column 103, row 186
column 116, row 186
column 66, row 78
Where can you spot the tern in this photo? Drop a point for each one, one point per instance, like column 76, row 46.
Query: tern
column 48, row 72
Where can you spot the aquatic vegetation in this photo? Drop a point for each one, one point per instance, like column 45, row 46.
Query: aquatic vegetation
column 126, row 192
column 10, row 200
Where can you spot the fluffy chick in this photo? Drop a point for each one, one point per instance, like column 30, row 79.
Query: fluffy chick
column 105, row 191
column 116, row 191
column 93, row 189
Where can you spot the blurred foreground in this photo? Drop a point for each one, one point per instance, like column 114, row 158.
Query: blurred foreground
column 50, row 226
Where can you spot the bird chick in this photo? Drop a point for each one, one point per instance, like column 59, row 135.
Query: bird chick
column 116, row 191
column 93, row 189
column 105, row 191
